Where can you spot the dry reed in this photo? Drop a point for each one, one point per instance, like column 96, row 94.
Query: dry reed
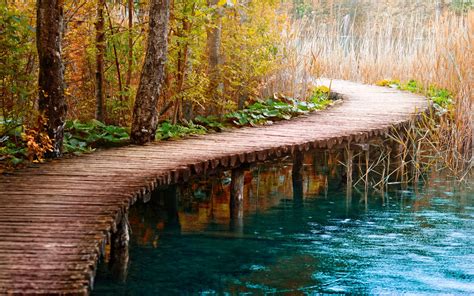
column 432, row 48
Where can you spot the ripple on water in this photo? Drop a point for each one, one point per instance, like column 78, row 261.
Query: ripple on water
column 331, row 228
column 257, row 267
column 441, row 201
column 439, row 282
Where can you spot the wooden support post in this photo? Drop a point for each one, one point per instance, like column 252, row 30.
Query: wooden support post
column 388, row 170
column 349, row 166
column 119, row 256
column 367, row 169
column 236, row 199
column 297, row 178
column 237, row 192
column 402, row 165
column 170, row 199
column 258, row 185
column 349, row 154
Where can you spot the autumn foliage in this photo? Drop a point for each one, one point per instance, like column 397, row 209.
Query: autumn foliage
column 249, row 46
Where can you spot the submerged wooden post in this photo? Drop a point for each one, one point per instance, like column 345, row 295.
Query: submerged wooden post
column 297, row 178
column 236, row 204
column 349, row 166
column 367, row 168
column 349, row 155
column 170, row 199
column 237, row 193
column 119, row 243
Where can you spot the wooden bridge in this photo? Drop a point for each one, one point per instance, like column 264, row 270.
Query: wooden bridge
column 56, row 217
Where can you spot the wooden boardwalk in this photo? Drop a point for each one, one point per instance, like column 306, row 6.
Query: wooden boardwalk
column 56, row 217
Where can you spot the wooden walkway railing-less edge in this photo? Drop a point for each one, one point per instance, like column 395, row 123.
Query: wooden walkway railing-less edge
column 56, row 217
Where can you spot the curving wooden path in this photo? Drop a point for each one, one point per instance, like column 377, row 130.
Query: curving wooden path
column 56, row 217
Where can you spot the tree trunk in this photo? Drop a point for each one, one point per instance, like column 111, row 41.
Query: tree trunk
column 130, row 47
column 100, row 51
column 51, row 103
column 182, row 61
column 145, row 115
column 213, row 47
column 243, row 94
column 117, row 63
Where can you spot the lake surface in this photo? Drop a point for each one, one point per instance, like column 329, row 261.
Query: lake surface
column 325, row 241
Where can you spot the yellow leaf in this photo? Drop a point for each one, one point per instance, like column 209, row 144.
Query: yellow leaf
column 323, row 89
column 383, row 82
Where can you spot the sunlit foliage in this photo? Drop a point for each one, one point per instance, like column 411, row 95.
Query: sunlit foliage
column 250, row 50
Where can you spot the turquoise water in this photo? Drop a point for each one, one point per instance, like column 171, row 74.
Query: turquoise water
column 396, row 242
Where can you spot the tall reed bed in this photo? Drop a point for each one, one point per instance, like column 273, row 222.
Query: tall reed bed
column 381, row 41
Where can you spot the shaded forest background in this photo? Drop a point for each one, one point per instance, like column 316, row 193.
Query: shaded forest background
column 223, row 55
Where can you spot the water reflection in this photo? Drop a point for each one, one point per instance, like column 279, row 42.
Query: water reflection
column 301, row 237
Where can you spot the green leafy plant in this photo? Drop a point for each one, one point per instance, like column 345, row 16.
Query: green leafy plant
column 167, row 130
column 12, row 153
column 85, row 137
column 268, row 111
column 440, row 96
column 412, row 86
column 211, row 122
column 281, row 108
